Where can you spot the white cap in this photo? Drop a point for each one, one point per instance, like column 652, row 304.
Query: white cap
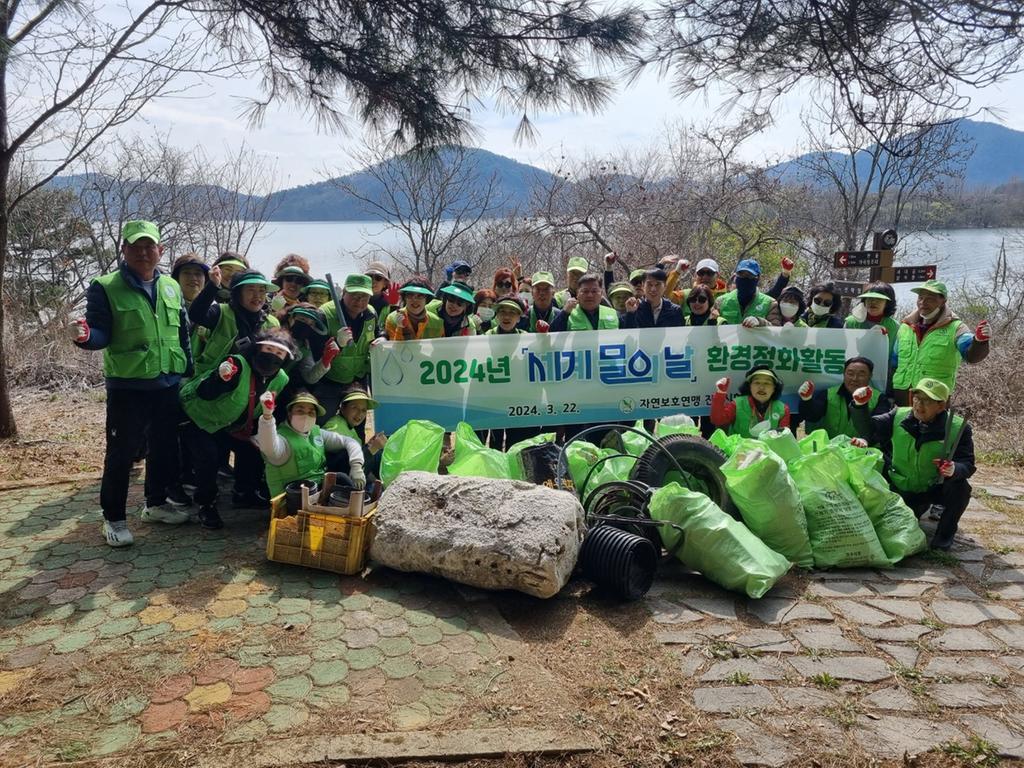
column 707, row 264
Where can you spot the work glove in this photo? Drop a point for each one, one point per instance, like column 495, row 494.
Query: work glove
column 543, row 326
column 945, row 467
column 358, row 476
column 331, row 350
column 392, row 295
column 227, row 370
column 862, row 395
column 754, row 322
column 858, row 442
column 722, row 385
column 787, row 265
column 278, row 302
column 883, row 329
column 344, row 337
column 806, row 390
column 267, row 400
column 682, row 265
column 79, row 330
column 983, row 332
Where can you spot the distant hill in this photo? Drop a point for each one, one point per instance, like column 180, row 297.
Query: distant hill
column 998, row 156
column 326, row 201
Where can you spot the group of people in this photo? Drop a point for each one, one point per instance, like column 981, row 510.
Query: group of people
column 215, row 359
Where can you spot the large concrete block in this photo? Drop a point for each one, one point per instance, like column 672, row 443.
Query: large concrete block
column 494, row 534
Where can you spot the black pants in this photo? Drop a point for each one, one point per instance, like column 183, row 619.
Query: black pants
column 135, row 417
column 205, row 448
column 954, row 495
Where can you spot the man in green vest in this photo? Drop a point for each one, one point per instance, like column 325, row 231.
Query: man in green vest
column 929, row 453
column 543, row 308
column 136, row 315
column 932, row 341
column 745, row 305
column 354, row 335
column 830, row 409
column 574, row 270
column 585, row 312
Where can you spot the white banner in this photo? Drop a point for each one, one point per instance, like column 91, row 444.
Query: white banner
column 600, row 376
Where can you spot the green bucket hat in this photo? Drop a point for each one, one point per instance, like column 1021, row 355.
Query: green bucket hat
column 458, row 291
column 933, row 389
column 577, row 264
column 357, row 283
column 134, row 230
column 293, row 271
column 542, row 278
column 305, row 397
column 873, row 295
column 252, row 278
column 621, row 288
column 314, row 316
column 358, row 394
column 931, row 286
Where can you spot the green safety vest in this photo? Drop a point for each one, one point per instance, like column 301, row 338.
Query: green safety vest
column 607, row 319
column 937, row 356
column 892, row 328
column 223, row 411
column 144, row 340
column 745, row 416
column 561, row 297
column 729, row 307
column 837, row 414
column 339, row 425
column 212, row 346
column 496, row 332
column 534, row 318
column 912, row 470
column 353, row 362
column 308, row 460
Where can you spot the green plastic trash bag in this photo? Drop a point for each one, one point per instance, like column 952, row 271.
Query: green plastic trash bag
column 817, row 441
column 414, row 446
column 760, row 486
column 783, row 444
column 474, row 459
column 895, row 523
column 636, row 444
column 725, row 442
column 721, row 548
column 583, row 456
column 841, row 532
column 515, row 462
column 867, row 457
column 677, row 424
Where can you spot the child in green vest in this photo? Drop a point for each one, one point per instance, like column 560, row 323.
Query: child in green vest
column 757, row 407
column 508, row 311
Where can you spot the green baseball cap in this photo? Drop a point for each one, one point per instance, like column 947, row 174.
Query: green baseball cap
column 359, row 284
column 358, row 394
column 932, row 286
column 458, row 291
column 305, row 397
column 577, row 264
column 542, row 278
column 620, row 288
column 134, row 230
column 637, row 274
column 933, row 389
column 873, row 295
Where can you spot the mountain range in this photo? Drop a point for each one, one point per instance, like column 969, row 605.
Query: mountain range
column 998, row 159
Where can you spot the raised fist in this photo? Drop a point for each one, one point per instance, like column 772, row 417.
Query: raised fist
column 543, row 326
column 570, row 304
column 227, row 370
column 331, row 350
column 983, row 332
column 883, row 329
column 858, row 442
column 79, row 330
column 214, row 275
column 806, row 390
column 787, row 265
column 945, row 467
column 722, row 385
column 377, row 442
column 278, row 302
column 632, row 303
column 682, row 265
column 344, row 337
column 392, row 295
column 862, row 395
column 609, row 259
column 267, row 400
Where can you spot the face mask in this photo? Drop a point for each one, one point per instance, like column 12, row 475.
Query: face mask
column 789, row 309
column 302, row 423
column 486, row 314
column 745, row 288
column 931, row 315
column 267, row 363
column 821, row 311
column 300, row 331
column 860, row 312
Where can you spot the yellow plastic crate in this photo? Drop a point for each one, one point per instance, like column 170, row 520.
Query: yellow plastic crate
column 320, row 537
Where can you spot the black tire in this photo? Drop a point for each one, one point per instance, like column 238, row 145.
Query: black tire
column 699, row 460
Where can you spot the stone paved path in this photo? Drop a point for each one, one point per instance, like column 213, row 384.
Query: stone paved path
column 192, row 639
column 889, row 662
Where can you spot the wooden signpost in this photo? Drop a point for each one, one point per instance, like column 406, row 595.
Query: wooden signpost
column 879, row 259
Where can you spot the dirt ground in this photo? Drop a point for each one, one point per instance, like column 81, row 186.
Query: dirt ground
column 629, row 691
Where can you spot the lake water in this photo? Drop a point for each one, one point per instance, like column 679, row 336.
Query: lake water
column 340, row 247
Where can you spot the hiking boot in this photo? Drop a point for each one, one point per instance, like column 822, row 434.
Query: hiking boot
column 178, row 498
column 209, row 517
column 250, row 499
column 225, row 471
column 163, row 513
column 117, row 534
column 935, row 512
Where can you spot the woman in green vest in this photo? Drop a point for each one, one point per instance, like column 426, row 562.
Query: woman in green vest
column 351, row 421
column 508, row 312
column 757, row 407
column 700, row 301
column 830, row 409
column 317, row 293
column 876, row 306
column 224, row 404
column 787, row 312
column 297, row 449
column 455, row 307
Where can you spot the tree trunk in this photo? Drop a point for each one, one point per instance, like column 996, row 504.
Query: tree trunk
column 7, row 426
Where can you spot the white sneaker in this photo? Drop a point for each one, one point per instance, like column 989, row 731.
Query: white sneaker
column 117, row 534
column 163, row 513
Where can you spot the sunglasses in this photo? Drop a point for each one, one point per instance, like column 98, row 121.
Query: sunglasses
column 823, row 302
column 378, row 278
column 698, row 300
column 705, row 273
column 504, row 284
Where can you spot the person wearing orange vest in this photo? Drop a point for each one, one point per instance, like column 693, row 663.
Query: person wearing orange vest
column 414, row 321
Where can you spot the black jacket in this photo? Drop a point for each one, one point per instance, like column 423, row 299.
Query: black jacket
column 671, row 316
column 881, row 430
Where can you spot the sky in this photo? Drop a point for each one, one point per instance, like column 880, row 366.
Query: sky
column 637, row 117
